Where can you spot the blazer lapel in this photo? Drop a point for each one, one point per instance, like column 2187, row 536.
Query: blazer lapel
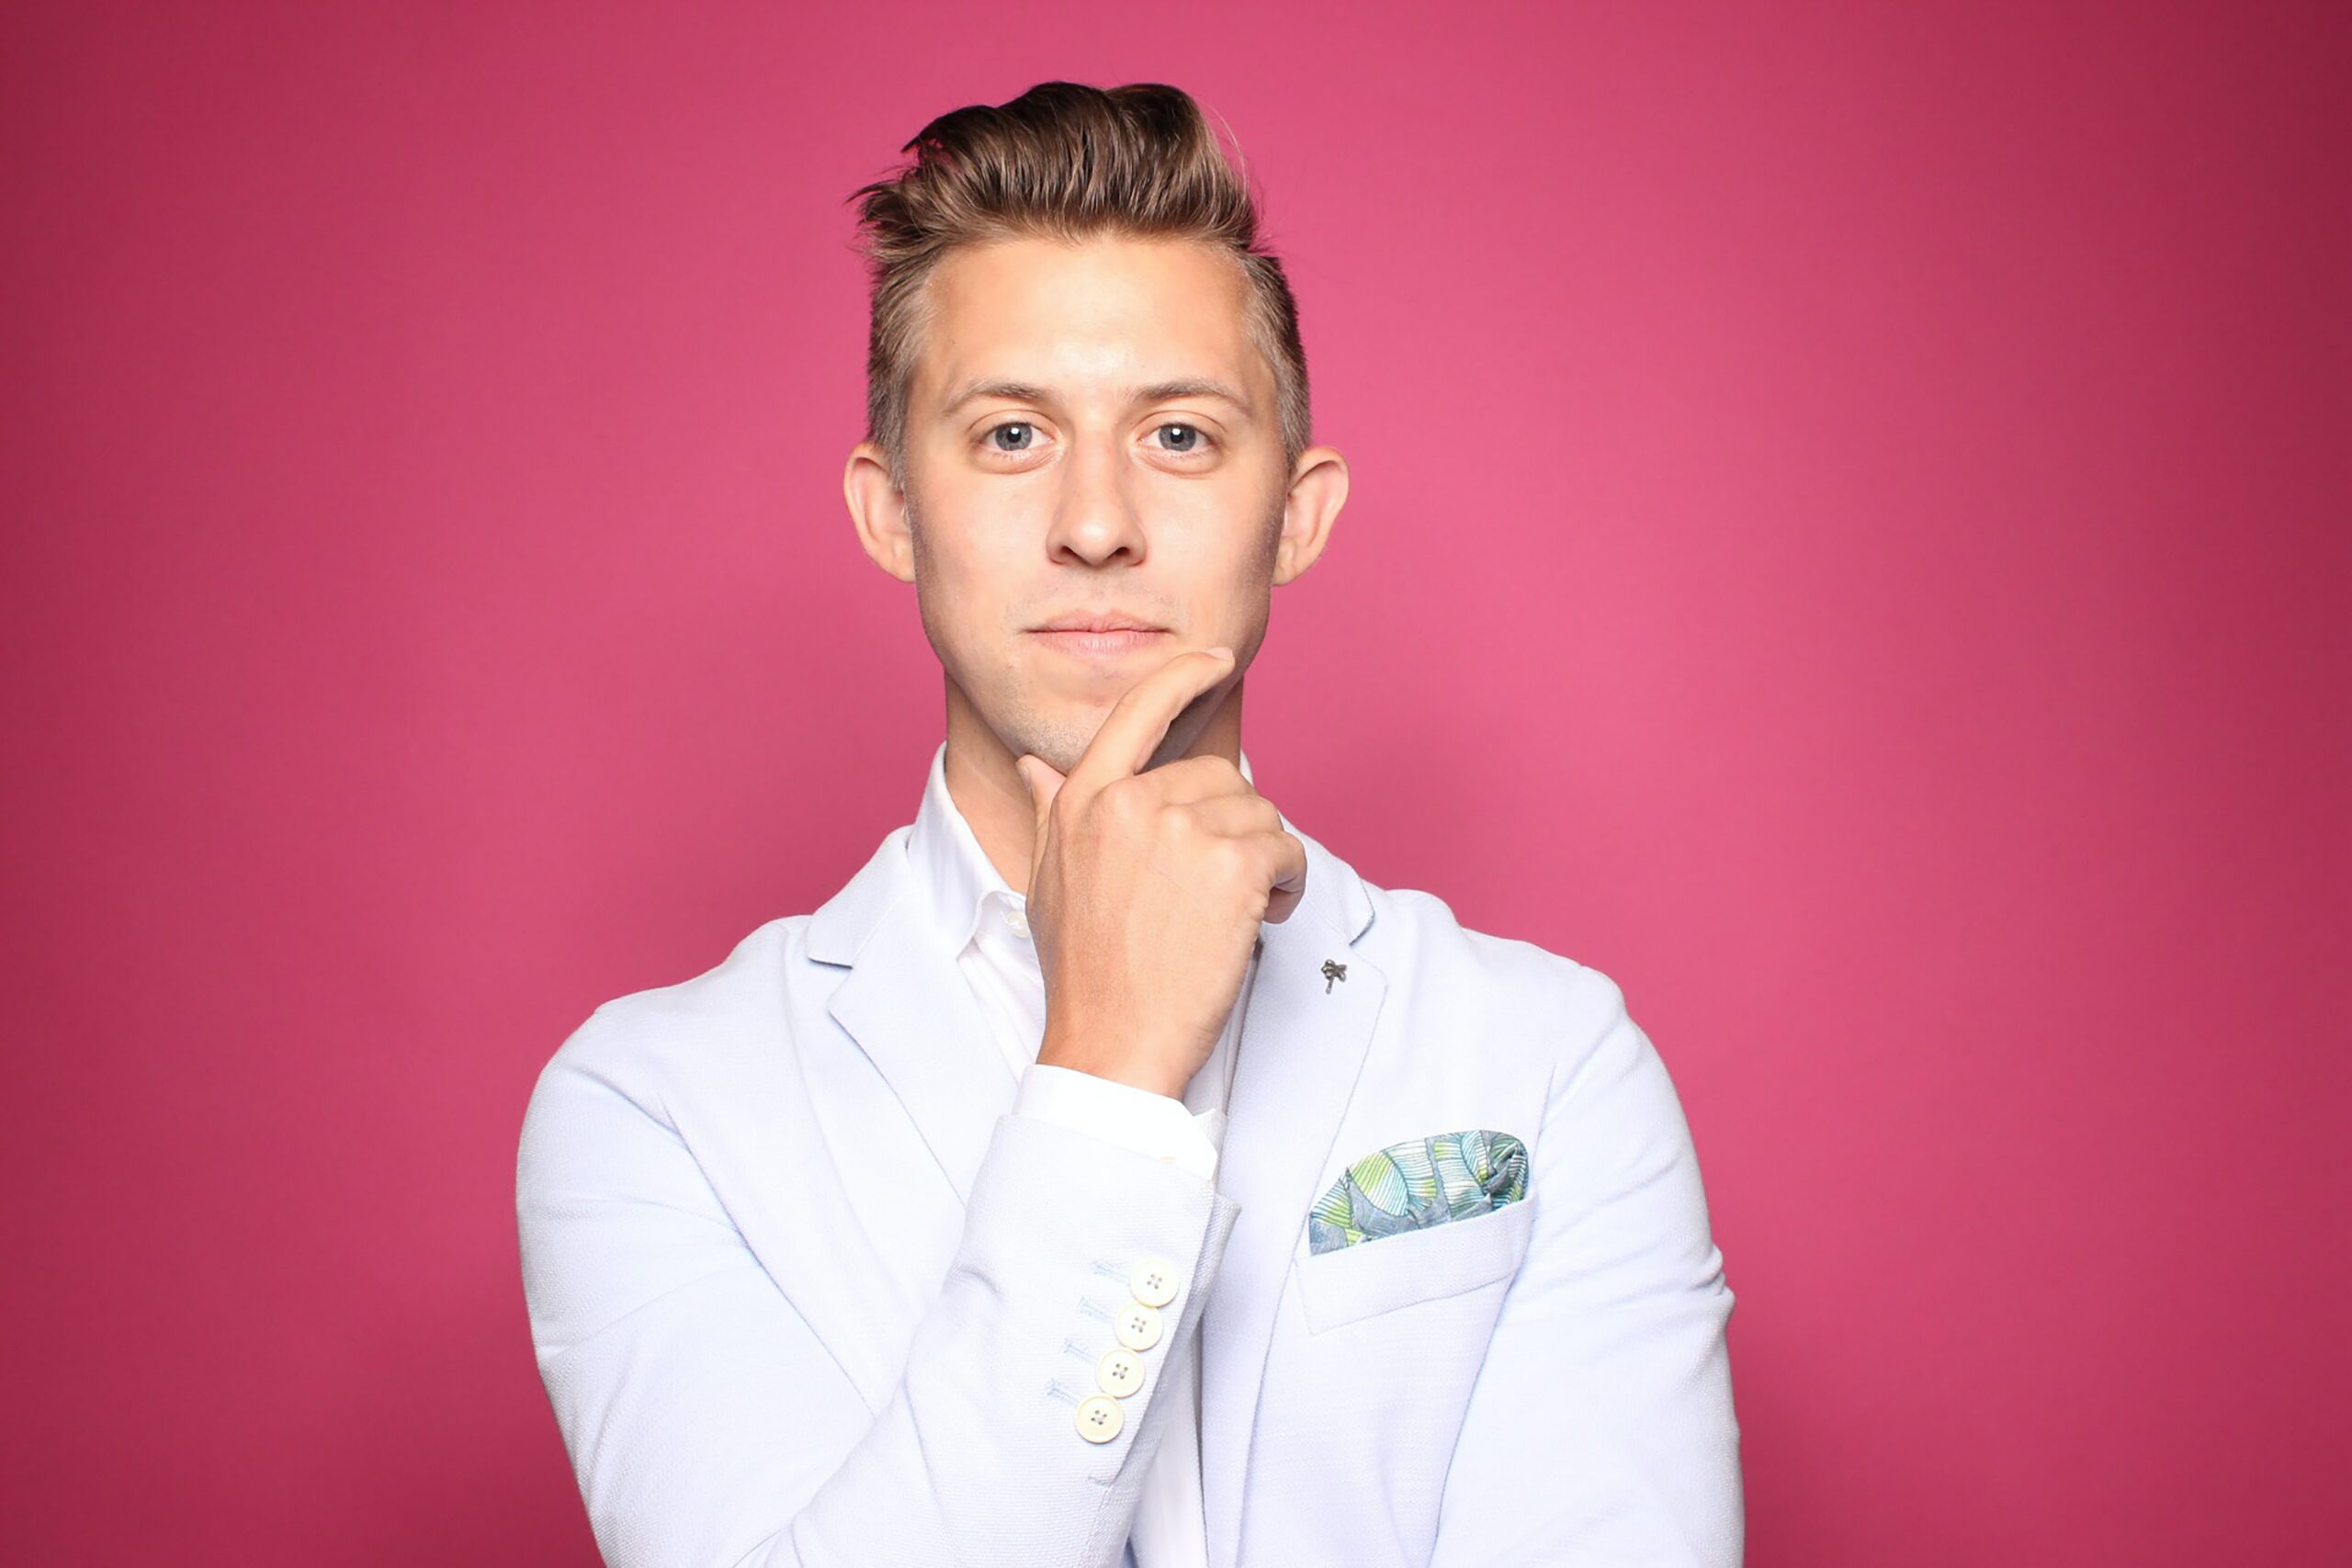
column 909, row 1010
column 1304, row 1037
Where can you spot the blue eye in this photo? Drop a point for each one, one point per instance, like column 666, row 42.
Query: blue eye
column 1191, row 439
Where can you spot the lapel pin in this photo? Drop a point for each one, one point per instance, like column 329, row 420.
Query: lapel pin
column 1333, row 970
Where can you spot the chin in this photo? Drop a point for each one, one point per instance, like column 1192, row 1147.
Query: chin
column 1039, row 734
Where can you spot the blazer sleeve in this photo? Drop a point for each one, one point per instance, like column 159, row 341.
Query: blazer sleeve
column 708, row 1425
column 1600, row 1432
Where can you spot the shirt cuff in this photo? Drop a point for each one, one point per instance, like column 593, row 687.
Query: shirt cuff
column 1154, row 1124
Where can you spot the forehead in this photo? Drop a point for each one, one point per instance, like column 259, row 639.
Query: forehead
column 1091, row 317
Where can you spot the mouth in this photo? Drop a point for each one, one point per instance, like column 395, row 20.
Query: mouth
column 1110, row 641
column 1100, row 636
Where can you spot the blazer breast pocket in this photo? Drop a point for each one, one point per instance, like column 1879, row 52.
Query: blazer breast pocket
column 1391, row 1272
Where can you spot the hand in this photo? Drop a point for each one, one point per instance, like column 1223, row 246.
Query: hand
column 1146, row 889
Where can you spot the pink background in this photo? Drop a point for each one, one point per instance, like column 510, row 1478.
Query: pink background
column 1849, row 537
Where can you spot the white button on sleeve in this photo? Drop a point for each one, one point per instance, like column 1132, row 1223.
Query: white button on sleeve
column 1154, row 1124
column 1154, row 1281
column 1119, row 1373
column 1100, row 1418
column 1138, row 1326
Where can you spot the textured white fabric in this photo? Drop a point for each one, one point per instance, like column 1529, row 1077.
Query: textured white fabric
column 806, row 1290
column 998, row 958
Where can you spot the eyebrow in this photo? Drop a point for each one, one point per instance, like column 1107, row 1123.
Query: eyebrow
column 1158, row 391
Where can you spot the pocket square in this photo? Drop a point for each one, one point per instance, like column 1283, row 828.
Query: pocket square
column 1419, row 1183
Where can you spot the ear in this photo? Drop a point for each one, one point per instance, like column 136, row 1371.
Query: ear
column 880, row 510
column 1319, row 488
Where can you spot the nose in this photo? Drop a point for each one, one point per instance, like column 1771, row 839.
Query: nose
column 1093, row 520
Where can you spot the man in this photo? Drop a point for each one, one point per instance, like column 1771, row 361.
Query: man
column 1108, row 1175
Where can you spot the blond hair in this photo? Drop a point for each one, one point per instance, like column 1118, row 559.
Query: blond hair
column 1064, row 162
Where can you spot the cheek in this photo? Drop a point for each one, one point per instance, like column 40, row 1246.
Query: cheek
column 1224, row 553
column 963, row 593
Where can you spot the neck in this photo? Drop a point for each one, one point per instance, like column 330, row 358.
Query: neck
column 987, row 790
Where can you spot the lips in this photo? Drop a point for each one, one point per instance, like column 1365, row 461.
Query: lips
column 1091, row 642
column 1097, row 621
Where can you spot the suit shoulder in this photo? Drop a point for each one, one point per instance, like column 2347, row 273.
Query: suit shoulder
column 646, row 1043
column 1572, row 1005
column 1414, row 920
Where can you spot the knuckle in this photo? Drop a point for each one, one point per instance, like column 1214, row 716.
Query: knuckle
column 1183, row 825
column 1123, row 800
column 1210, row 774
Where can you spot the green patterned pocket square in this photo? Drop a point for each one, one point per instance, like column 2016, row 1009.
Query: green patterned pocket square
column 1419, row 1183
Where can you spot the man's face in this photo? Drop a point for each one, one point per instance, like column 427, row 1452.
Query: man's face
column 1089, row 432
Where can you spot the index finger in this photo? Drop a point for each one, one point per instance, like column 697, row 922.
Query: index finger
column 1139, row 719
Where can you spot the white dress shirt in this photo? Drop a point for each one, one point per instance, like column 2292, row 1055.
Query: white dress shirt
column 986, row 922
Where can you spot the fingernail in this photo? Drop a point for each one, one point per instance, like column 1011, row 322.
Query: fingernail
column 1222, row 652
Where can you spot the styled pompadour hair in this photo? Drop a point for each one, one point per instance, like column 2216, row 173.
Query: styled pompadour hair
column 1064, row 161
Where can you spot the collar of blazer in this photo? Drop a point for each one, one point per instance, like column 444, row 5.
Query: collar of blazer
column 1304, row 1037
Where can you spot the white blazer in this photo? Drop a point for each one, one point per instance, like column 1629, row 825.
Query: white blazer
column 803, row 1288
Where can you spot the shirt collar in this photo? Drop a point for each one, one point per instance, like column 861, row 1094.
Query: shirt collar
column 954, row 872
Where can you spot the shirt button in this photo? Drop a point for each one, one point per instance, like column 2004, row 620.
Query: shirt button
column 1138, row 1326
column 1100, row 1418
column 1154, row 1281
column 1120, row 1372
column 1018, row 921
